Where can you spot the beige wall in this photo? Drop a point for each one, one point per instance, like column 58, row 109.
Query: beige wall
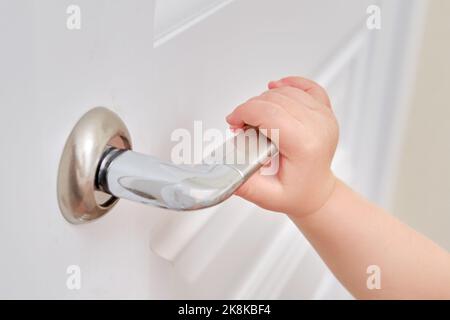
column 422, row 196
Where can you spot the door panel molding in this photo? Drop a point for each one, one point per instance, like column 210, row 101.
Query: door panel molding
column 173, row 17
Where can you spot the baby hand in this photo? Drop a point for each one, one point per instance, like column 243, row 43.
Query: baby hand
column 308, row 134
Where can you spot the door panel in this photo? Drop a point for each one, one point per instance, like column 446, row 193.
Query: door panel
column 202, row 72
column 206, row 67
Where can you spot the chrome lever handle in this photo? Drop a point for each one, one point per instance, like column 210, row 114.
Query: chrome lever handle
column 146, row 179
column 97, row 168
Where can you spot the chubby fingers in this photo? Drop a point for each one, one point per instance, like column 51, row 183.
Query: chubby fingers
column 280, row 124
column 306, row 85
column 287, row 102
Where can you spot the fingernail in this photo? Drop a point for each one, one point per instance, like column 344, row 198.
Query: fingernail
column 273, row 84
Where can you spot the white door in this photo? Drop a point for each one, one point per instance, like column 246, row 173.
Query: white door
column 161, row 66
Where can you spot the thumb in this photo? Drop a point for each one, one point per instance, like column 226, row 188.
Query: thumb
column 261, row 190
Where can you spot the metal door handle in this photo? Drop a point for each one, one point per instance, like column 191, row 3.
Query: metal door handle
column 97, row 158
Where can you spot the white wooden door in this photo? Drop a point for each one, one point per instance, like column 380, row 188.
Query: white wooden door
column 161, row 66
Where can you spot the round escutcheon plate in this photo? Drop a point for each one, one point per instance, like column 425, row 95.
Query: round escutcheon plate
column 78, row 198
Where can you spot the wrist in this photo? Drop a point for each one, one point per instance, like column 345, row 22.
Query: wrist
column 321, row 196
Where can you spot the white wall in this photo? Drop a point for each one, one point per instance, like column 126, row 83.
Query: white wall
column 422, row 196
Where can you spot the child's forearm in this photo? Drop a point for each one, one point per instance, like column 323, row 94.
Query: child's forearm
column 352, row 234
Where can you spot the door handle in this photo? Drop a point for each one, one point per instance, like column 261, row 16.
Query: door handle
column 98, row 167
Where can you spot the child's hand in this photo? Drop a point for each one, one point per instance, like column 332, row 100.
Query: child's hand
column 308, row 135
column 350, row 233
